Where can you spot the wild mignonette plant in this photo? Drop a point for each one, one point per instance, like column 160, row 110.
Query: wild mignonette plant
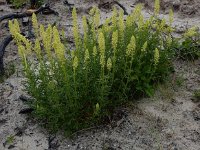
column 189, row 47
column 111, row 64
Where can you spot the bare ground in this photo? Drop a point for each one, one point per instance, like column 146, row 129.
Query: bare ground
column 170, row 120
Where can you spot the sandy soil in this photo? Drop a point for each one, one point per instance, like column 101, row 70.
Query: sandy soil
column 170, row 120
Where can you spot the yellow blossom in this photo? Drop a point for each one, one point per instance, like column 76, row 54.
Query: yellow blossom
column 56, row 36
column 60, row 52
column 115, row 39
column 191, row 32
column 156, row 56
column 35, row 24
column 106, row 26
column 171, row 16
column 48, row 38
column 97, row 109
column 72, row 54
column 37, row 48
column 94, row 51
column 85, row 29
column 11, row 27
column 121, row 24
column 129, row 21
column 157, row 7
column 130, row 51
column 16, row 25
column 20, row 38
column 101, row 41
column 109, row 64
column 75, row 28
column 114, row 18
column 136, row 13
column 97, row 17
column 92, row 11
column 141, row 21
column 144, row 47
column 75, row 63
column 169, row 40
column 42, row 32
column 58, row 46
column 21, row 51
column 87, row 56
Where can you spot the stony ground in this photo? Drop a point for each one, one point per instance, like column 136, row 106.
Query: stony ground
column 168, row 121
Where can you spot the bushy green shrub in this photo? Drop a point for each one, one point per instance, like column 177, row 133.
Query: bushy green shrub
column 189, row 47
column 18, row 3
column 109, row 65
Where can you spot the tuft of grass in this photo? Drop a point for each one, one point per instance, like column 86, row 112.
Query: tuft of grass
column 9, row 70
column 10, row 139
column 197, row 95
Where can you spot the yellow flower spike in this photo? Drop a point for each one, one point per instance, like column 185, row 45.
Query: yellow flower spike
column 16, row 26
column 129, row 21
column 156, row 56
column 58, row 46
column 42, row 32
column 60, row 52
column 85, row 29
column 11, row 27
column 130, row 51
column 171, row 16
column 28, row 46
column 101, row 41
column 97, row 17
column 114, row 18
column 94, row 51
column 75, row 28
column 144, row 47
column 49, row 37
column 21, row 51
column 162, row 24
column 106, row 26
column 136, row 13
column 92, row 11
column 56, row 36
column 141, row 21
column 75, row 63
column 97, row 109
column 35, row 24
column 109, row 64
column 115, row 40
column 37, row 48
column 85, row 25
column 87, row 56
column 157, row 7
column 191, row 32
column 169, row 40
column 20, row 38
column 72, row 54
column 121, row 24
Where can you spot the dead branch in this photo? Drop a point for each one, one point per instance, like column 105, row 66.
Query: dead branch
column 3, row 45
column 43, row 8
column 120, row 5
